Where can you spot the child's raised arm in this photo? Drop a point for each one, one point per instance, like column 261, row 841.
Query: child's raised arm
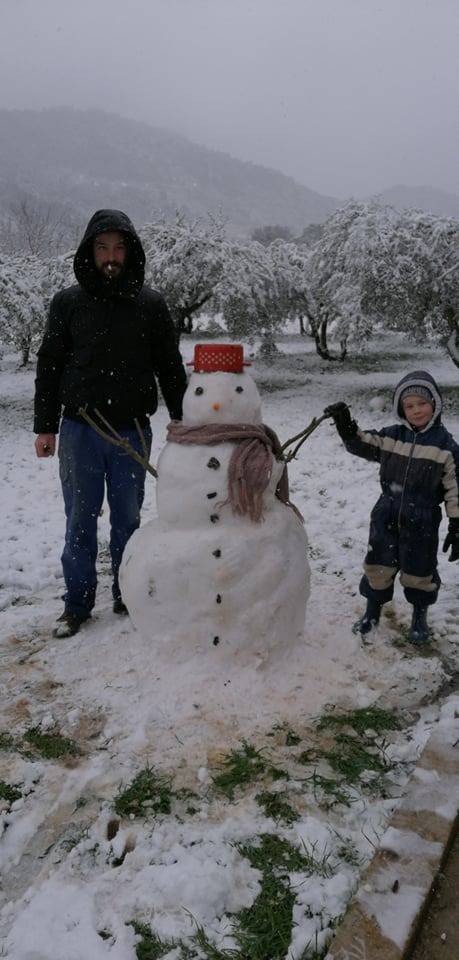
column 367, row 444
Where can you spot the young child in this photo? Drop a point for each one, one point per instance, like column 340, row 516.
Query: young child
column 419, row 469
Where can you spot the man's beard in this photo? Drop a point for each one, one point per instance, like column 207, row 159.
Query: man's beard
column 111, row 270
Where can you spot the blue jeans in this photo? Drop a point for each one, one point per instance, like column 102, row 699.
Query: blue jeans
column 86, row 463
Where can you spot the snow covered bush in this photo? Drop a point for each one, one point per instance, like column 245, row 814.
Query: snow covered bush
column 27, row 284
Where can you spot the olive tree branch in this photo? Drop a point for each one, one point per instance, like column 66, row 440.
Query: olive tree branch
column 111, row 435
column 315, row 422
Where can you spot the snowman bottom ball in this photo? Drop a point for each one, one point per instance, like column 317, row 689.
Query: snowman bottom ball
column 235, row 594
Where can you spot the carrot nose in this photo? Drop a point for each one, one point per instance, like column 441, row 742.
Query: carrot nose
column 215, row 406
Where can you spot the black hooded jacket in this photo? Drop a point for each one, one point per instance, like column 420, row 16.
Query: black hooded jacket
column 107, row 340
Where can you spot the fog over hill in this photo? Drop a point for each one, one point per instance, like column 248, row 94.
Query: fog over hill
column 77, row 161
column 87, row 159
column 439, row 202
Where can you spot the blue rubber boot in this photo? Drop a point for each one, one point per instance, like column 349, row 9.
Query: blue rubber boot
column 419, row 630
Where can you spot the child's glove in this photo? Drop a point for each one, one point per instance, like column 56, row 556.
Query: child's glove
column 452, row 539
column 344, row 423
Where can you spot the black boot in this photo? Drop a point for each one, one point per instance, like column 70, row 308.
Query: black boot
column 419, row 630
column 370, row 618
column 68, row 624
column 119, row 606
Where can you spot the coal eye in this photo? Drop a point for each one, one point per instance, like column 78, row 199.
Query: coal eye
column 239, row 389
column 198, row 391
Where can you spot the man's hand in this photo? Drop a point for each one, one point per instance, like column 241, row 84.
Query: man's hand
column 452, row 539
column 45, row 444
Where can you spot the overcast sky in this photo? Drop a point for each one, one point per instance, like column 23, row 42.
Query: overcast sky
column 348, row 96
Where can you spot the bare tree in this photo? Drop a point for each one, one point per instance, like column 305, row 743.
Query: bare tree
column 34, row 228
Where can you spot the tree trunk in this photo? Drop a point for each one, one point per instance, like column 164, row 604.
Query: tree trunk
column 452, row 344
column 25, row 352
column 318, row 331
column 268, row 347
column 185, row 315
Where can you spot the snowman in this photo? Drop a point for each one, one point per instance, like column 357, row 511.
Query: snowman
column 222, row 572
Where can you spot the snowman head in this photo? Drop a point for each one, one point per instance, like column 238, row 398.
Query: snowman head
column 220, row 391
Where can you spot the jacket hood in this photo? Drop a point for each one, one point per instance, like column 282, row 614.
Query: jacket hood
column 419, row 378
column 132, row 278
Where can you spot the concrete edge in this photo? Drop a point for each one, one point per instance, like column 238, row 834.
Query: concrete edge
column 385, row 914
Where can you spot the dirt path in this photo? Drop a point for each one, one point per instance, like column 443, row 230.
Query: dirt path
column 439, row 938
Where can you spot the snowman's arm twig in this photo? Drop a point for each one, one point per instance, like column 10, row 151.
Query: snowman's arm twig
column 113, row 437
column 315, row 422
column 142, row 438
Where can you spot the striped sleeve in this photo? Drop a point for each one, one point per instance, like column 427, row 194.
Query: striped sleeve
column 369, row 444
column 450, row 480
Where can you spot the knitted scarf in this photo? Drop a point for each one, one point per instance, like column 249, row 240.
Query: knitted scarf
column 251, row 463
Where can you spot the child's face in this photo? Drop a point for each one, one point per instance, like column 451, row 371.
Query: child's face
column 417, row 410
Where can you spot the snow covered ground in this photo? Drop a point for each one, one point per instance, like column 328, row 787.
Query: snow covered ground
column 74, row 872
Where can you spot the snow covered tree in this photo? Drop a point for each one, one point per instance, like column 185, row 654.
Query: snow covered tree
column 378, row 267
column 186, row 262
column 420, row 289
column 250, row 295
column 27, row 284
column 270, row 233
column 341, row 269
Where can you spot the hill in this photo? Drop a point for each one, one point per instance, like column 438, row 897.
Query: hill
column 87, row 159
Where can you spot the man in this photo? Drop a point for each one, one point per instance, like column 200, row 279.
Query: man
column 106, row 340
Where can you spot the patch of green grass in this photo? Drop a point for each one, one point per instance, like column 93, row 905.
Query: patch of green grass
column 260, row 932
column 351, row 757
column 356, row 759
column 51, row 746
column 210, row 951
column 239, row 768
column 360, row 720
column 328, row 791
column 150, row 947
column 264, row 930
column 6, row 742
column 148, row 794
column 276, row 805
column 272, row 852
column 8, row 793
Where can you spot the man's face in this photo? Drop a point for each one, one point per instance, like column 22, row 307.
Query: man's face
column 110, row 250
column 417, row 410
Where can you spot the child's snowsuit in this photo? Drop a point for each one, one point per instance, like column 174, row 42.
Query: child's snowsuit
column 419, row 470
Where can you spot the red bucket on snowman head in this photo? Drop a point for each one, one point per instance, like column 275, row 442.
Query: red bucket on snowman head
column 219, row 358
